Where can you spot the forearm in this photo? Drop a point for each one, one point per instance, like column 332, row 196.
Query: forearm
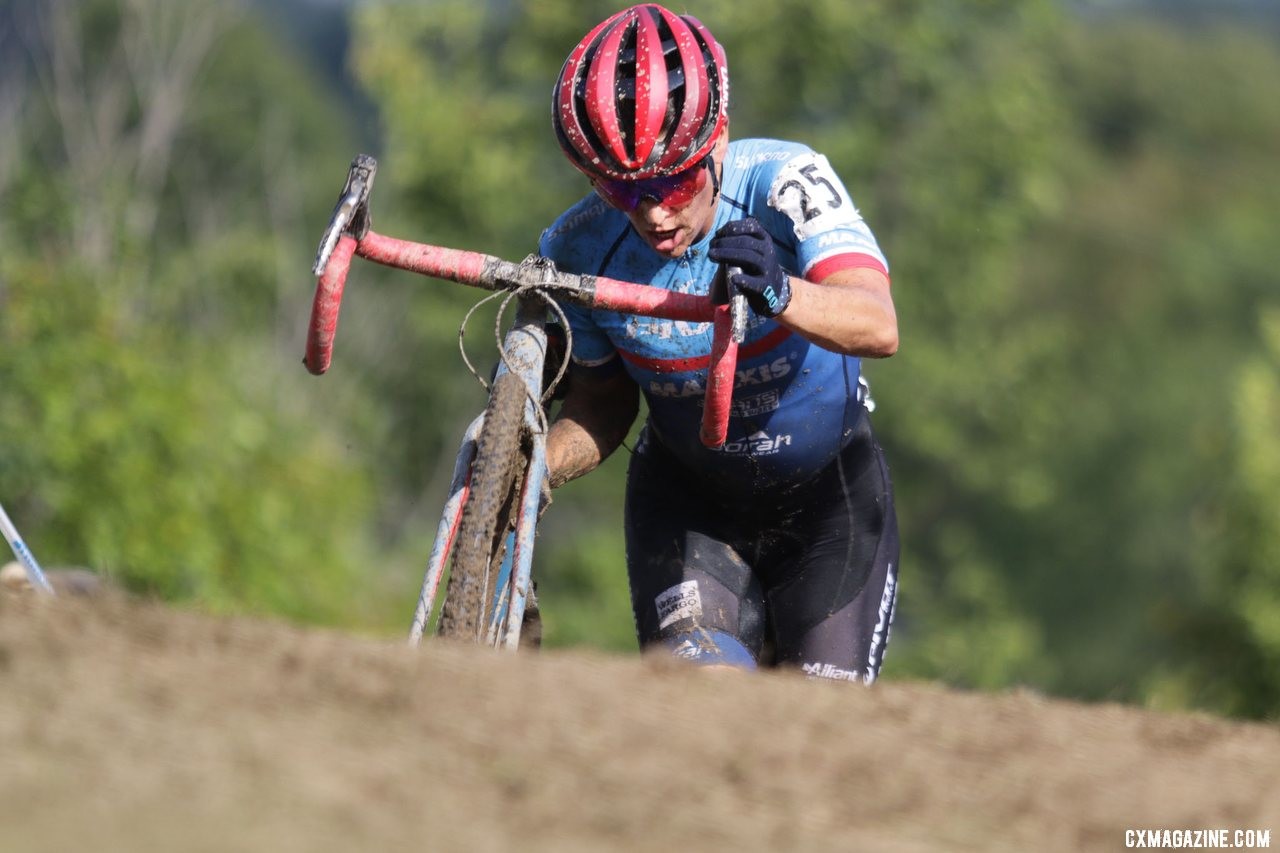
column 573, row 451
column 590, row 426
column 851, row 313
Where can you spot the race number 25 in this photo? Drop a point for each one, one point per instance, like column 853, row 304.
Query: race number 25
column 809, row 193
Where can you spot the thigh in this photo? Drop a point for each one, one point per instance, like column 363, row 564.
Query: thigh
column 849, row 644
column 832, row 613
column 683, row 570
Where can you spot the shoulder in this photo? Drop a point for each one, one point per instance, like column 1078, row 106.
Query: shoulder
column 788, row 177
column 795, row 187
column 764, row 157
column 772, row 168
column 583, row 226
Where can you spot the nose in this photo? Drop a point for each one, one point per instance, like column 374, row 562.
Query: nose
column 653, row 212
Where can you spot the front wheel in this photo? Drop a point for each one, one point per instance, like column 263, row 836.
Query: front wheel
column 496, row 474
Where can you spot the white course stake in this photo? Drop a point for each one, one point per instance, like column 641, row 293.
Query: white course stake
column 24, row 555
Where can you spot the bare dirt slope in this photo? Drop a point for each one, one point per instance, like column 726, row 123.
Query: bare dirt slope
column 128, row 726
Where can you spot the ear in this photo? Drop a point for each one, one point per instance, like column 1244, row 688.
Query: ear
column 722, row 144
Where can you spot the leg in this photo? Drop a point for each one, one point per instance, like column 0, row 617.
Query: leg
column 690, row 590
column 833, row 611
column 849, row 644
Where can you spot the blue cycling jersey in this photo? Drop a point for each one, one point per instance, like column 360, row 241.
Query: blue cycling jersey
column 794, row 403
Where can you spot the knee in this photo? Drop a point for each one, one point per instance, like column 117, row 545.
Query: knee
column 708, row 647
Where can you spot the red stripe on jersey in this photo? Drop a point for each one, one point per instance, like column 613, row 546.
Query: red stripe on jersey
column 849, row 261
column 700, row 362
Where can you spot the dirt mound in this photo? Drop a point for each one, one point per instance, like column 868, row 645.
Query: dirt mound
column 132, row 726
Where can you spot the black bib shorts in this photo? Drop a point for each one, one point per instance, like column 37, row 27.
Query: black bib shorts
column 804, row 576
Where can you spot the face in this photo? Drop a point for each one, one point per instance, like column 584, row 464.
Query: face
column 672, row 225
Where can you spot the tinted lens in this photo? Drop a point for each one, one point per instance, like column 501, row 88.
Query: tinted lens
column 674, row 191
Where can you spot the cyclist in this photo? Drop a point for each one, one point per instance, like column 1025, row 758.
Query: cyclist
column 780, row 547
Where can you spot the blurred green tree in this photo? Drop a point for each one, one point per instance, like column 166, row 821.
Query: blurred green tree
column 156, row 425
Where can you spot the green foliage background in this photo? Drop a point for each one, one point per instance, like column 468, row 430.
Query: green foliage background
column 1077, row 201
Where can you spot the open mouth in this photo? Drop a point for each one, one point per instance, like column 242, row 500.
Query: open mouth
column 663, row 239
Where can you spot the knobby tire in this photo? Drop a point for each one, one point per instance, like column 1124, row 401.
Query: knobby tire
column 486, row 517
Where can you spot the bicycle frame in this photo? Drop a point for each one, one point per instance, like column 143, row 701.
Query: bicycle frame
column 20, row 550
column 524, row 352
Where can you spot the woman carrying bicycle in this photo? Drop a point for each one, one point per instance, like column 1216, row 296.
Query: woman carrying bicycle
column 782, row 545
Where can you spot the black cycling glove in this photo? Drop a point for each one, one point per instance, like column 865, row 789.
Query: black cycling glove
column 745, row 244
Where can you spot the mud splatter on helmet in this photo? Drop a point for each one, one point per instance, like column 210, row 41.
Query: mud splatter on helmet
column 644, row 94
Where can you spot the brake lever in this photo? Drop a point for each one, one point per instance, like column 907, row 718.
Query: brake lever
column 351, row 213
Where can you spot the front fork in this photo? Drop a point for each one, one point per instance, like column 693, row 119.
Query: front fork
column 525, row 351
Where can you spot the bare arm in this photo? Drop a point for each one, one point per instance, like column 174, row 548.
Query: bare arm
column 849, row 312
column 594, row 418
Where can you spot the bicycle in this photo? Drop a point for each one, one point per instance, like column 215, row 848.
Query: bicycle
column 496, row 494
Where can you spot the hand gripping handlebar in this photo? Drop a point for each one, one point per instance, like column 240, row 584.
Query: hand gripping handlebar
column 349, row 234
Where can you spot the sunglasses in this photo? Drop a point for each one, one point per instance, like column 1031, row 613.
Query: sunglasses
column 671, row 191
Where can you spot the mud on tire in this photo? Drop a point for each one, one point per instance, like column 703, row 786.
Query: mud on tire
column 495, row 484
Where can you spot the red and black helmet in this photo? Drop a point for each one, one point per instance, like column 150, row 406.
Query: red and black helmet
column 645, row 94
